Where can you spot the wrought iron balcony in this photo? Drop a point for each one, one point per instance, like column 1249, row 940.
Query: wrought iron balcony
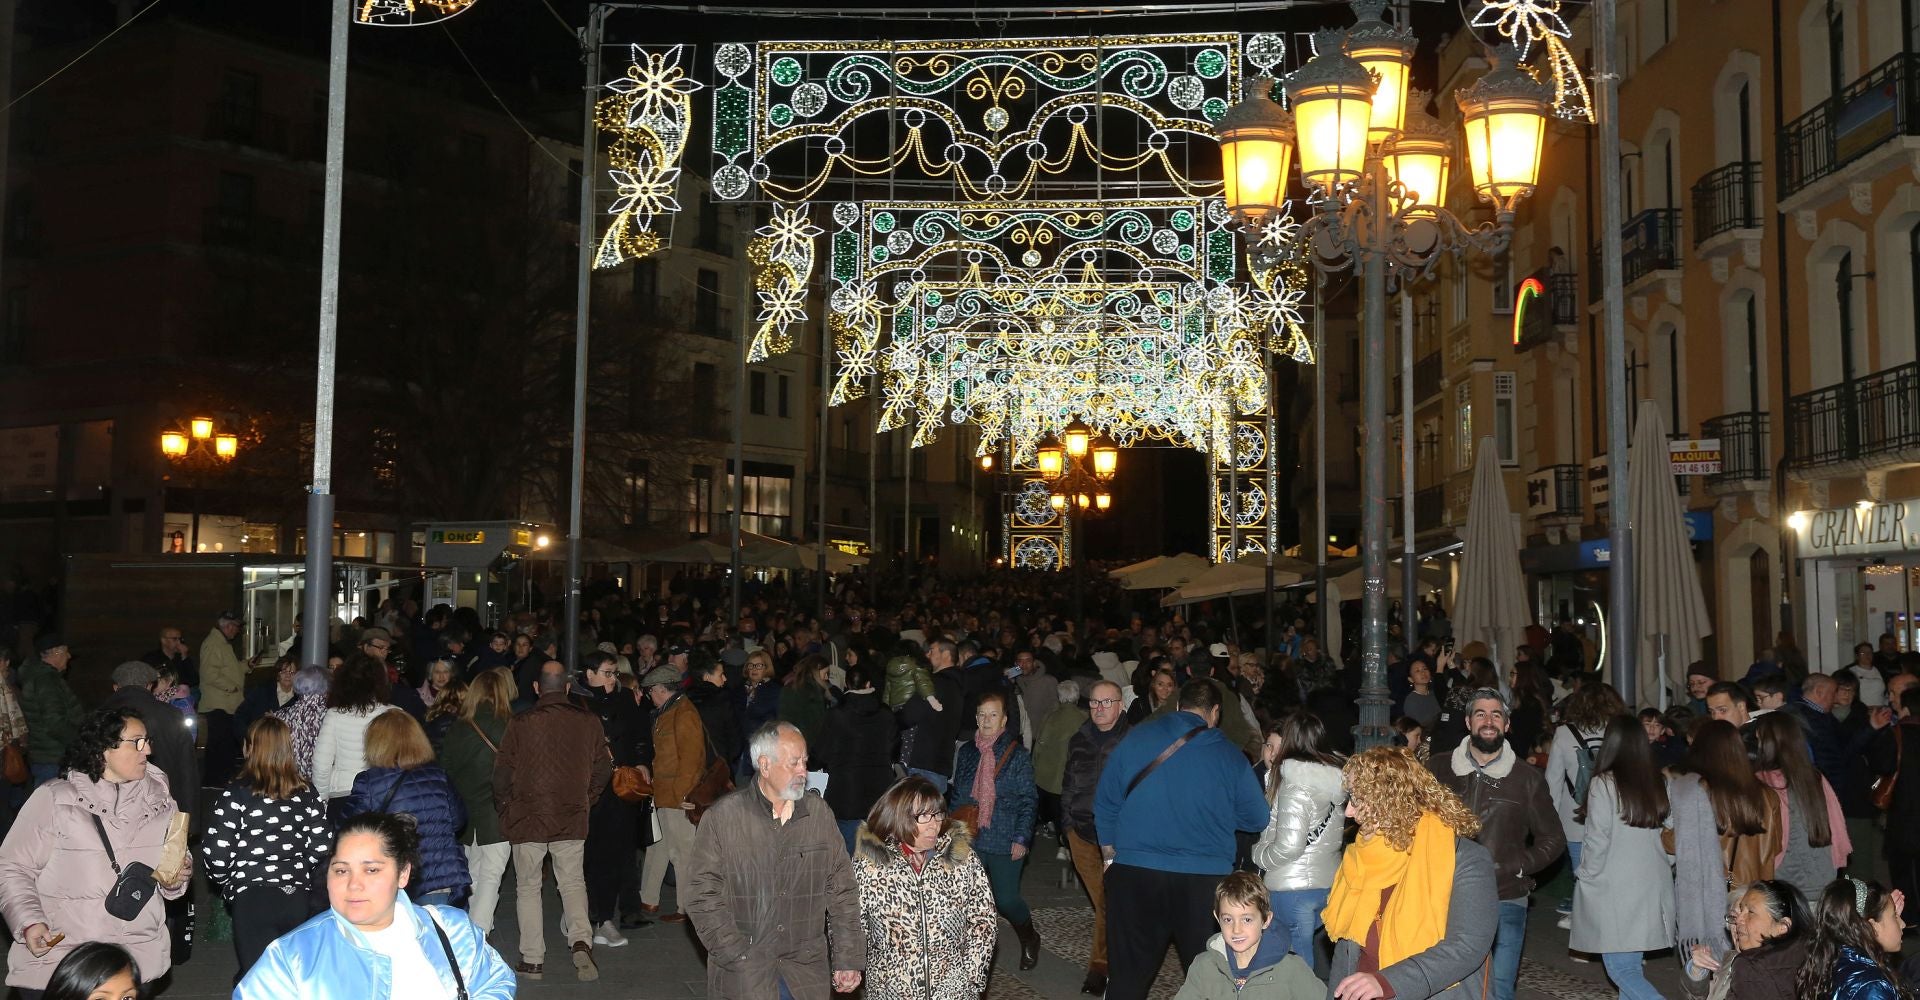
column 1856, row 421
column 1555, row 309
column 1563, row 290
column 1725, row 200
column 1649, row 242
column 1561, row 491
column 1843, row 128
column 1744, row 456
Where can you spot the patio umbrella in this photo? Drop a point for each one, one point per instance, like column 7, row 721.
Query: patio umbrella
column 703, row 551
column 1671, row 610
column 1241, row 579
column 1491, row 605
column 1173, row 572
column 591, row 551
column 1132, row 568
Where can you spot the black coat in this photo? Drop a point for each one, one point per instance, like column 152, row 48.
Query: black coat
column 259, row 700
column 628, row 726
column 170, row 742
column 718, row 715
column 858, row 754
column 934, row 733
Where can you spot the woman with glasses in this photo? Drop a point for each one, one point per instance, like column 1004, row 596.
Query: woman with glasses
column 924, row 900
column 993, row 778
column 55, row 869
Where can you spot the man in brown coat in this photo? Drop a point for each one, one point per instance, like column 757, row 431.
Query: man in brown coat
column 769, row 885
column 679, row 759
column 552, row 766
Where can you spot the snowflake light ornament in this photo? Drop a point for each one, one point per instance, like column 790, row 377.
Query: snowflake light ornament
column 1527, row 22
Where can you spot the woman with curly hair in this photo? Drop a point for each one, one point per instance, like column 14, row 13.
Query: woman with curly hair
column 1623, row 888
column 1856, row 938
column 107, row 809
column 924, row 900
column 1408, row 911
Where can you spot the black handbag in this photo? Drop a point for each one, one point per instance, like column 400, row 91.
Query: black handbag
column 133, row 886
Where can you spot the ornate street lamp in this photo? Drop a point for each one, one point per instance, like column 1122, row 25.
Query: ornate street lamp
column 1076, row 437
column 1378, row 165
column 1256, row 151
column 195, row 449
column 1050, row 458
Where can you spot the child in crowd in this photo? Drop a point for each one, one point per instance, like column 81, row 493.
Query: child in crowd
column 1248, row 959
column 907, row 679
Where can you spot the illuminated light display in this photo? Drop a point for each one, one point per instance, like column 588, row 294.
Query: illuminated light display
column 407, row 13
column 782, row 256
column 645, row 119
column 1526, row 23
column 1529, row 290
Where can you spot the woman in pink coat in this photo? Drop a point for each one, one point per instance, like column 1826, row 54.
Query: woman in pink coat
column 54, row 870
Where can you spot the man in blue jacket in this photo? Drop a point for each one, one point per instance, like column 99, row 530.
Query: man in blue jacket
column 1169, row 800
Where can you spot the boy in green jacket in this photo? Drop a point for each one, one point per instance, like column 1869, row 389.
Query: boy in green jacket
column 1247, row 960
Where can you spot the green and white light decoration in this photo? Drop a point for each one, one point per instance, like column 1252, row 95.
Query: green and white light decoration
column 1008, row 287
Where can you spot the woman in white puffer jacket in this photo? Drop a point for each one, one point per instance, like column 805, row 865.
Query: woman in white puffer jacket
column 1300, row 849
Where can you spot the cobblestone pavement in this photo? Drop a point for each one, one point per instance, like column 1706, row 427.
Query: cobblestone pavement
column 664, row 962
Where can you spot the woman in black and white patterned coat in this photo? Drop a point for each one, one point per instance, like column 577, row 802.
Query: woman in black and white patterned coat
column 267, row 837
column 924, row 900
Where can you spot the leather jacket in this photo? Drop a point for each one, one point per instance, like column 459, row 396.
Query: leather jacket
column 1510, row 797
column 1301, row 846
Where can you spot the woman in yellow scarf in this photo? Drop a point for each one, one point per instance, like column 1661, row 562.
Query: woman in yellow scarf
column 1413, row 907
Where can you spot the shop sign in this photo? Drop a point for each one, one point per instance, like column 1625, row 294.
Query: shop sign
column 1597, row 482
column 450, row 536
column 1883, row 528
column 851, row 546
column 1540, row 494
column 1698, row 457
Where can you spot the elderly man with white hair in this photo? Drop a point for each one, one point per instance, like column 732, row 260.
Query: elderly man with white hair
column 769, row 878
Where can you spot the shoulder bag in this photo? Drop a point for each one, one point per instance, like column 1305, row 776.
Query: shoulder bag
column 1172, row 748
column 446, row 946
column 715, row 780
column 13, row 763
column 1883, row 785
column 969, row 814
column 133, row 884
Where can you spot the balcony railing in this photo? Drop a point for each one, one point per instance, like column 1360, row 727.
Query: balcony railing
column 1859, row 119
column 1855, row 420
column 1563, row 290
column 1649, row 242
column 1555, row 309
column 1566, row 488
column 236, row 122
column 1743, row 447
column 1726, row 199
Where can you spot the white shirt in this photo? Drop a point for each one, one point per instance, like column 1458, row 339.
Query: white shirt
column 413, row 976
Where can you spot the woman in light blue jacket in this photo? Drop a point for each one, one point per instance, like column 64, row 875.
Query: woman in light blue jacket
column 373, row 943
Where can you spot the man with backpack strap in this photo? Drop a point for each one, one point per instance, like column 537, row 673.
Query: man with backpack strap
column 1166, row 808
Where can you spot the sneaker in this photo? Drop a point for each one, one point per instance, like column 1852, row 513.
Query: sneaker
column 1579, row 956
column 583, row 966
column 609, row 935
column 1566, row 922
column 1564, row 907
column 1062, row 855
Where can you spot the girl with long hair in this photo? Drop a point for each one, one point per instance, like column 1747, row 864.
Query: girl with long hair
column 1413, row 893
column 1814, row 833
column 1623, row 893
column 360, row 691
column 269, row 807
column 95, row 971
column 468, row 754
column 1726, row 831
column 1576, row 741
column 1856, row 939
column 1299, row 851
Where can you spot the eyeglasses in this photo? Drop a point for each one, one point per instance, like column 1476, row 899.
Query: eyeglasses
column 930, row 817
column 139, row 742
column 381, row 646
column 1104, row 702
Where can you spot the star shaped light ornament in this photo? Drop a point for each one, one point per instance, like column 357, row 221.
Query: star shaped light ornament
column 1527, row 22
column 646, row 192
column 657, row 83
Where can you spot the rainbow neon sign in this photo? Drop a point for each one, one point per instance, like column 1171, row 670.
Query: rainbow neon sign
column 1530, row 289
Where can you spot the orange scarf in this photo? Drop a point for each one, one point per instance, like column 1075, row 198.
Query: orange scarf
column 1422, row 881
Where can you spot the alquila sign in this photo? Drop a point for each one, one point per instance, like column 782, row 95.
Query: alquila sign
column 1884, row 528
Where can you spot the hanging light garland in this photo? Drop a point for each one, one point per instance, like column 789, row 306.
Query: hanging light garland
column 407, row 13
column 1526, row 23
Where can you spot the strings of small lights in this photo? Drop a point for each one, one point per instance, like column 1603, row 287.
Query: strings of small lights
column 782, row 256
column 645, row 116
column 1529, row 22
column 407, row 13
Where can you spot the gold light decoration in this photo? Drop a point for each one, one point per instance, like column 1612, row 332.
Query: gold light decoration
column 646, row 118
column 1525, row 22
column 782, row 256
column 407, row 13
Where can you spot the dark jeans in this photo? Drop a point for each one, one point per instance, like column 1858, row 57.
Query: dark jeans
column 1145, row 909
column 1003, row 877
column 223, row 751
column 260, row 914
column 608, row 860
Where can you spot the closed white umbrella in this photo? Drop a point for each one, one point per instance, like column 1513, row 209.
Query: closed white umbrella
column 1670, row 608
column 1491, row 605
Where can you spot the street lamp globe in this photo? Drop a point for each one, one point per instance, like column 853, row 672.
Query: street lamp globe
column 1332, row 111
column 1505, row 114
column 173, row 444
column 1077, row 437
column 226, row 446
column 1050, row 459
column 986, row 462
column 1420, row 156
column 202, row 428
column 1385, row 50
column 1256, row 151
column 1057, row 501
column 1102, row 501
column 1082, row 501
column 1106, row 461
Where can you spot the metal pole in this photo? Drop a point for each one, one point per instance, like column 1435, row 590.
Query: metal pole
column 1374, row 723
column 1619, row 534
column 1409, row 614
column 1320, row 462
column 317, row 593
column 906, row 509
column 582, row 300
column 826, row 440
column 1273, row 537
column 873, row 482
column 743, row 301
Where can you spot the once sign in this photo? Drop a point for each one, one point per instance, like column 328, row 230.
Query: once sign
column 457, row 537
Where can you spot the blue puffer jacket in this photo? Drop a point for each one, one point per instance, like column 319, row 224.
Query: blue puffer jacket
column 326, row 959
column 1014, row 795
column 1857, row 977
column 427, row 793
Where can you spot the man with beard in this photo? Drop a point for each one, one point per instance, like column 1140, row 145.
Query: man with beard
column 1518, row 825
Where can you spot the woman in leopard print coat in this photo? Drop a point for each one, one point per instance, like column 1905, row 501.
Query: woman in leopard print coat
column 924, row 899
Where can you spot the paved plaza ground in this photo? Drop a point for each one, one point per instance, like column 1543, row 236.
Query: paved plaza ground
column 664, row 962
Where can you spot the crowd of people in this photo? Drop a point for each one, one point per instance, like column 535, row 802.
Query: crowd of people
column 849, row 802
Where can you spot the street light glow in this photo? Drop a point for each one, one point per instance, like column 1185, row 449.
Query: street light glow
column 173, row 444
column 226, row 446
column 1332, row 113
column 1505, row 114
column 202, row 428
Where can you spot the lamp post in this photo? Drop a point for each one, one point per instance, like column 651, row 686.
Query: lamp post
column 196, row 448
column 1375, row 181
column 1078, row 468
